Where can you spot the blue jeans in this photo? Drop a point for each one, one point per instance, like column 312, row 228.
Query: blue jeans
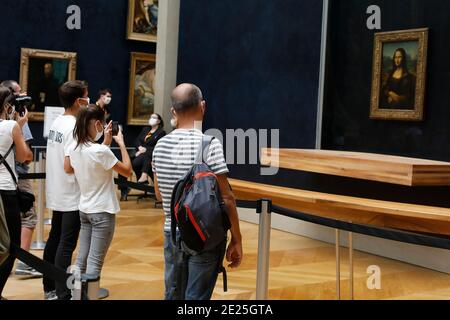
column 189, row 277
column 97, row 232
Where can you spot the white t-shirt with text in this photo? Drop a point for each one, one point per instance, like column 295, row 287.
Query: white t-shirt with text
column 62, row 191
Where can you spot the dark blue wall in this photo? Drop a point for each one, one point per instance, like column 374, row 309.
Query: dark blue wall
column 347, row 125
column 258, row 65
column 103, row 51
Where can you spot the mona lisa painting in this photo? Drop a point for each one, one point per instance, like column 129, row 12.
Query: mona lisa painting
column 399, row 75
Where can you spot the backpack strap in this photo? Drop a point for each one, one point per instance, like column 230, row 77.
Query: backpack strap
column 173, row 222
column 203, row 149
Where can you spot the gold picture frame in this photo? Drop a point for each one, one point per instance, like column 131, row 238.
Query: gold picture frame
column 141, row 100
column 41, row 74
column 399, row 75
column 142, row 22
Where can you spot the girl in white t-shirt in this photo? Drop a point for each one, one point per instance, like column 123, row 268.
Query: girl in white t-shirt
column 93, row 165
column 11, row 125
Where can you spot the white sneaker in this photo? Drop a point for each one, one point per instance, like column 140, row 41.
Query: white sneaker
column 24, row 270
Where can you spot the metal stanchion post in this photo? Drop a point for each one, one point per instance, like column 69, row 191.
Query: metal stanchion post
column 265, row 224
column 86, row 287
column 350, row 249
column 39, row 244
column 338, row 265
column 34, row 159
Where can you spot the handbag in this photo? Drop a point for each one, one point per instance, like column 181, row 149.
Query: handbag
column 26, row 199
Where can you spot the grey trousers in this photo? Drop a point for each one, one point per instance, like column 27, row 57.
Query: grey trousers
column 97, row 231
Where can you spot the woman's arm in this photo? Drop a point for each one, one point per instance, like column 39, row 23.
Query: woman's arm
column 124, row 167
column 23, row 152
column 139, row 141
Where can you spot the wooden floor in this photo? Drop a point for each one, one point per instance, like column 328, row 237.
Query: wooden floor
column 300, row 268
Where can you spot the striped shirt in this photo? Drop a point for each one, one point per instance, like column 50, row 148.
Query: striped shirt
column 173, row 157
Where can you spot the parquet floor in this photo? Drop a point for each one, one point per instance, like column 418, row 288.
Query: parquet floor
column 300, row 268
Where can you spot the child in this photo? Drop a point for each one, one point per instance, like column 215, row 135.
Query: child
column 93, row 165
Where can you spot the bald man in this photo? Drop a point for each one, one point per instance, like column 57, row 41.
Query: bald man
column 169, row 166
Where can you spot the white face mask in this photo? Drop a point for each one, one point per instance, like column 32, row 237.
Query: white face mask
column 99, row 135
column 153, row 122
column 107, row 100
column 174, row 123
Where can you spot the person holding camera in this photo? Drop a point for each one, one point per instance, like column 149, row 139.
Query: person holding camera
column 29, row 218
column 93, row 165
column 62, row 191
column 11, row 135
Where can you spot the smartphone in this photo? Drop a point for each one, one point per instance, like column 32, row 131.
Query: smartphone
column 115, row 128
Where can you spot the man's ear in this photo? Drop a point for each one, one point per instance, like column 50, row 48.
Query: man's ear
column 78, row 104
column 203, row 104
column 174, row 114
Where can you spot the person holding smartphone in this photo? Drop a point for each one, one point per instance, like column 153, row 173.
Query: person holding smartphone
column 93, row 165
column 11, row 133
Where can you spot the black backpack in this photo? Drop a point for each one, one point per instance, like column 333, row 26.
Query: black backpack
column 197, row 208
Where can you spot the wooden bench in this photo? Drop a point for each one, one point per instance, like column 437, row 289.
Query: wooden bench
column 367, row 166
column 396, row 215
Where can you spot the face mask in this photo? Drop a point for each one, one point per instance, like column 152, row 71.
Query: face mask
column 99, row 135
column 153, row 122
column 174, row 123
column 107, row 100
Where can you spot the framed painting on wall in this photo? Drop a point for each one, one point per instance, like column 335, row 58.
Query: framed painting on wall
column 399, row 75
column 42, row 72
column 141, row 104
column 142, row 20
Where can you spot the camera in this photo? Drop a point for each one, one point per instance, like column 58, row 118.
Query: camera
column 20, row 103
column 115, row 128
